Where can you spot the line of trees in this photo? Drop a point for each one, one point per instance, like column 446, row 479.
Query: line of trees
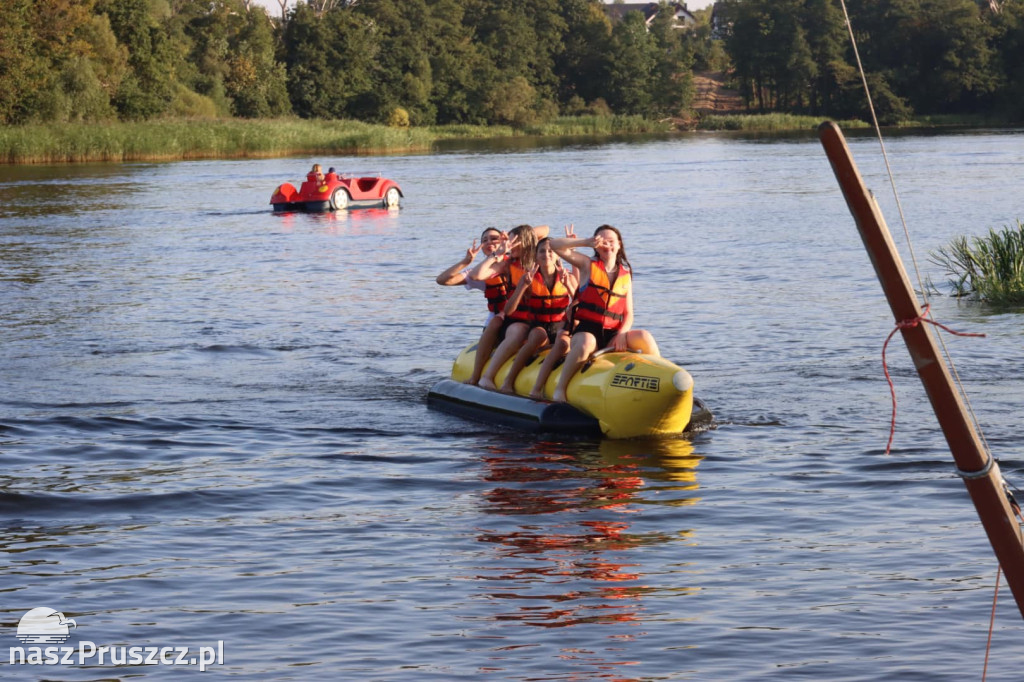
column 496, row 61
column 420, row 61
column 920, row 56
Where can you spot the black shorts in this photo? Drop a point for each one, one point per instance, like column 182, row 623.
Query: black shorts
column 604, row 336
column 552, row 329
column 504, row 328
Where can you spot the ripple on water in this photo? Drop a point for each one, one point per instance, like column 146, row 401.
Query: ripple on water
column 214, row 425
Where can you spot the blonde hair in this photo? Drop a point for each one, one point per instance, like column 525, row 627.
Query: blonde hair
column 527, row 244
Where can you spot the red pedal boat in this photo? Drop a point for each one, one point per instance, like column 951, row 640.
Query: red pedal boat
column 333, row 192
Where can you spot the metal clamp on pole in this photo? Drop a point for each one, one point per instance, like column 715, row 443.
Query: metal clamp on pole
column 980, row 473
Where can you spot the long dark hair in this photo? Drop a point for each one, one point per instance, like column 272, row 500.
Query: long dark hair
column 558, row 261
column 620, row 257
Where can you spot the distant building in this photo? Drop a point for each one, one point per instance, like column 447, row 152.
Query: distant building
column 682, row 19
column 721, row 21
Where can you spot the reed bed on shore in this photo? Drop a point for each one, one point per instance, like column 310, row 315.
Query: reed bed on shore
column 599, row 125
column 563, row 126
column 188, row 139
column 989, row 268
column 768, row 122
column 977, row 120
column 238, row 138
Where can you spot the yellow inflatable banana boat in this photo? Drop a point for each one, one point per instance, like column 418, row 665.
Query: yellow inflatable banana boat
column 617, row 394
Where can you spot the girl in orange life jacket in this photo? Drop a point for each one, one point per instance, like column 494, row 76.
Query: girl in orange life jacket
column 604, row 309
column 544, row 293
column 511, row 331
column 561, row 343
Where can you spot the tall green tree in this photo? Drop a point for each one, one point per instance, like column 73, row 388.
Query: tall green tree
column 459, row 69
column 772, row 55
column 21, row 67
column 149, row 87
column 942, row 60
column 521, row 39
column 403, row 73
column 201, row 30
column 256, row 82
column 632, row 66
column 108, row 59
column 583, row 63
column 1008, row 35
column 330, row 61
column 672, row 83
column 230, row 57
column 746, row 42
column 45, row 70
column 829, row 46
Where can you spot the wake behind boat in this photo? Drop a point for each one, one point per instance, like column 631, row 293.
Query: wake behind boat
column 615, row 394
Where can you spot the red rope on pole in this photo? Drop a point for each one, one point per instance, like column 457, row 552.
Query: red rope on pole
column 907, row 324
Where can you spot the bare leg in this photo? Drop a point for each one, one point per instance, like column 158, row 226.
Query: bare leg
column 483, row 348
column 556, row 353
column 536, row 339
column 642, row 340
column 580, row 347
column 514, row 337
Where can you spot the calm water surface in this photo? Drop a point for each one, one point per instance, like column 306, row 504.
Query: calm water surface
column 213, row 424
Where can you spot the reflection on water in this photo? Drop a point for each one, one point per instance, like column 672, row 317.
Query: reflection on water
column 566, row 560
column 368, row 221
column 215, row 413
column 39, row 195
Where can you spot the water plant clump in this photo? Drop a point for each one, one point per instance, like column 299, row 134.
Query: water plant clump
column 989, row 268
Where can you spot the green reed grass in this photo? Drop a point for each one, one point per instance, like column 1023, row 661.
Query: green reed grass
column 768, row 122
column 237, row 138
column 562, row 126
column 598, row 125
column 192, row 139
column 975, row 120
column 988, row 268
column 172, row 139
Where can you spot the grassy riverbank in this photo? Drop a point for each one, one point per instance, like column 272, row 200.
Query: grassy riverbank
column 185, row 139
column 767, row 122
column 240, row 138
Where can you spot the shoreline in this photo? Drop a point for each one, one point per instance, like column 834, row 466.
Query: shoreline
column 196, row 139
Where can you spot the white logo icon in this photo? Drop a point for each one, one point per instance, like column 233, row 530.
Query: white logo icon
column 44, row 626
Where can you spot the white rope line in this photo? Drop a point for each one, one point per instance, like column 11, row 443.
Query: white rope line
column 906, row 233
column 885, row 156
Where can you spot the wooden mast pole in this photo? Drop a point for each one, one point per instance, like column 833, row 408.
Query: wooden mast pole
column 976, row 466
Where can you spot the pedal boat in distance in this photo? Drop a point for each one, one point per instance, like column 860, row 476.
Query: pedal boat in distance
column 614, row 394
column 337, row 193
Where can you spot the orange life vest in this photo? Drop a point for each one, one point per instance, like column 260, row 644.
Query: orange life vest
column 498, row 289
column 515, row 273
column 547, row 305
column 603, row 302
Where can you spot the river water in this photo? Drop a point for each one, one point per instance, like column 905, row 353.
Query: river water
column 213, row 425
